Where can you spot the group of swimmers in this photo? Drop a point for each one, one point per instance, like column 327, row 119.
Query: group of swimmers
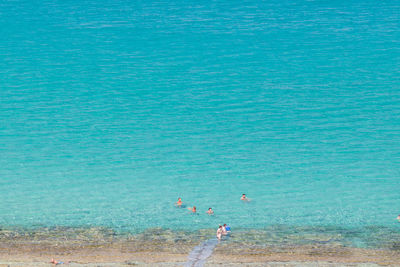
column 222, row 229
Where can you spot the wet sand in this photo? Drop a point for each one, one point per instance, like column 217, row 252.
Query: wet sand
column 157, row 247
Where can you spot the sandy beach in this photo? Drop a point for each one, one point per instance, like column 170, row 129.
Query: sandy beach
column 111, row 256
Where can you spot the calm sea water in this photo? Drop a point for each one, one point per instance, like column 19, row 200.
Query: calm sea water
column 111, row 110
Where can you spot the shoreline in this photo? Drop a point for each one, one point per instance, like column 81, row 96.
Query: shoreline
column 158, row 247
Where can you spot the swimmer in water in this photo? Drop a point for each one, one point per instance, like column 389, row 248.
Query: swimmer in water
column 219, row 232
column 179, row 203
column 398, row 218
column 210, row 211
column 192, row 209
column 244, row 198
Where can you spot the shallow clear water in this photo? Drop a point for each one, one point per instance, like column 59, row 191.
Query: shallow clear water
column 112, row 110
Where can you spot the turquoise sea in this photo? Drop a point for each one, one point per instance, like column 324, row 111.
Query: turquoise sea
column 111, row 110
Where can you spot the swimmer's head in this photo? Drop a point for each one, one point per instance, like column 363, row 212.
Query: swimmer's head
column 224, row 224
column 210, row 209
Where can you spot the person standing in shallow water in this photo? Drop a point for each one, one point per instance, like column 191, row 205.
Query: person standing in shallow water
column 225, row 229
column 219, row 232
